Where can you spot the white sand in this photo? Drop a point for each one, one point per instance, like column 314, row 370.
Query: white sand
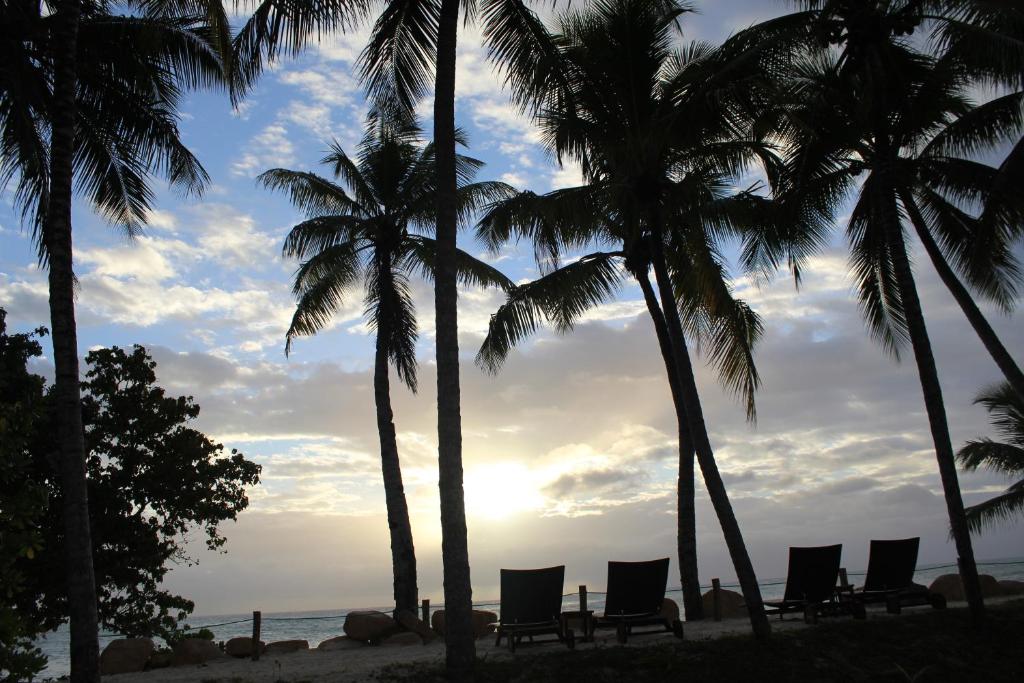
column 359, row 664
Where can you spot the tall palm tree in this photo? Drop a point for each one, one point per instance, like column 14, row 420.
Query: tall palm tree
column 89, row 97
column 412, row 44
column 1006, row 408
column 661, row 136
column 878, row 110
column 362, row 237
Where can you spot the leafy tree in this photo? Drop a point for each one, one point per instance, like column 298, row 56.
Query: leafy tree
column 88, row 96
column 662, row 136
column 22, row 501
column 1006, row 408
column 154, row 482
column 375, row 235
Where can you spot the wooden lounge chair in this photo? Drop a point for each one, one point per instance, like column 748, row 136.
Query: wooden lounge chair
column 531, row 605
column 811, row 585
column 636, row 591
column 890, row 577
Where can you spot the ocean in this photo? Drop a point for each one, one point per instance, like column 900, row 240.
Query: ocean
column 316, row 626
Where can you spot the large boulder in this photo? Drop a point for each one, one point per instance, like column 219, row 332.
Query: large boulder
column 410, row 622
column 161, row 659
column 242, row 647
column 283, row 647
column 730, row 603
column 369, row 626
column 125, row 655
column 192, row 651
column 669, row 610
column 952, row 588
column 483, row 622
column 403, row 638
column 339, row 643
column 1011, row 587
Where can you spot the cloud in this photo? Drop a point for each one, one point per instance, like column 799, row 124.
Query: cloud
column 270, row 148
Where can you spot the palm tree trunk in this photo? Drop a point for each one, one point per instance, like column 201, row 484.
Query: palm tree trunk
column 932, row 390
column 460, row 653
column 705, row 456
column 988, row 336
column 686, row 520
column 403, row 554
column 82, row 608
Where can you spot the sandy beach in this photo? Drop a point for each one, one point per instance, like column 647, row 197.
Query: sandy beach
column 360, row 664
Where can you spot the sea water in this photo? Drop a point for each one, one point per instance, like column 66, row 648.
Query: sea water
column 318, row 625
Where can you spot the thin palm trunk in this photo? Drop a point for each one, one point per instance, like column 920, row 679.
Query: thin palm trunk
column 686, row 535
column 932, row 390
column 460, row 653
column 82, row 608
column 403, row 553
column 705, row 456
column 988, row 336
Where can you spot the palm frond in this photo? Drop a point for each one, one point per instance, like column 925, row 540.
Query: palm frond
column 392, row 315
column 310, row 193
column 560, row 297
column 1001, row 508
column 321, row 284
column 421, row 255
column 397, row 64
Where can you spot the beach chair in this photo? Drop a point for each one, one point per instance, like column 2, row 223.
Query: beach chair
column 636, row 591
column 890, row 577
column 811, row 585
column 531, row 605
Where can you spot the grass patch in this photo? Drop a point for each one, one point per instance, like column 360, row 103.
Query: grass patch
column 924, row 646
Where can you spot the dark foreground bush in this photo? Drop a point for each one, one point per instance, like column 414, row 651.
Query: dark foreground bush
column 922, row 646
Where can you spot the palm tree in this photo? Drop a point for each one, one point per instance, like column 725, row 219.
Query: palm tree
column 412, row 42
column 362, row 237
column 127, row 72
column 1006, row 408
column 880, row 109
column 661, row 137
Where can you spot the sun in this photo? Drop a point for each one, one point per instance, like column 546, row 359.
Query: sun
column 501, row 490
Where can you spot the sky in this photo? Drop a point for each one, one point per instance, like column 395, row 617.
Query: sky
column 570, row 451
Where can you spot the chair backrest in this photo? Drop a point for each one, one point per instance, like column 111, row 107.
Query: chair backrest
column 891, row 564
column 531, row 595
column 813, row 573
column 636, row 587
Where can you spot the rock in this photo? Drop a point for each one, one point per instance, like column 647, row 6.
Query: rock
column 483, row 621
column 369, row 625
column 283, row 647
column 1011, row 587
column 191, row 651
column 403, row 638
column 161, row 659
column 952, row 588
column 730, row 602
column 669, row 610
column 411, row 622
column 125, row 655
column 242, row 647
column 339, row 643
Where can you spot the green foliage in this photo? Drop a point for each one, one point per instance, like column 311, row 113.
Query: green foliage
column 154, row 481
column 22, row 501
column 1006, row 411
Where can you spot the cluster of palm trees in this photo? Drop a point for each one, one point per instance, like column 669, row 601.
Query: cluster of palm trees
column 842, row 99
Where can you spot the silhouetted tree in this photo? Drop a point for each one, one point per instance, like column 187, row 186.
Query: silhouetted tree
column 88, row 95
column 661, row 136
column 374, row 235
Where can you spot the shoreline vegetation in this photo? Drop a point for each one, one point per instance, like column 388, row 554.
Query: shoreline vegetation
column 921, row 644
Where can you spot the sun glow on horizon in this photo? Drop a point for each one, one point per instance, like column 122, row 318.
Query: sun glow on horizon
column 501, row 490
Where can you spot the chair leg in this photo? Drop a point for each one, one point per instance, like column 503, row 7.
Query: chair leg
column 622, row 633
column 811, row 614
column 497, row 641
column 570, row 639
